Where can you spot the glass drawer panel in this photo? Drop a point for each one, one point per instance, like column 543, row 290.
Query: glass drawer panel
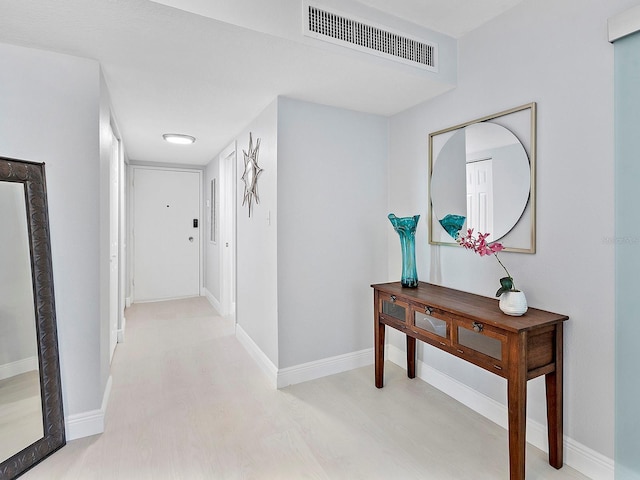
column 480, row 343
column 431, row 324
column 393, row 310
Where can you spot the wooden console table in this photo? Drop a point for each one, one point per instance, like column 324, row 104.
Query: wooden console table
column 473, row 328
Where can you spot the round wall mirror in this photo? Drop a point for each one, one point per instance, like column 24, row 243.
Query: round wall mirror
column 482, row 173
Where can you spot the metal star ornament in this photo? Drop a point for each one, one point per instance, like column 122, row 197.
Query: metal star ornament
column 251, row 173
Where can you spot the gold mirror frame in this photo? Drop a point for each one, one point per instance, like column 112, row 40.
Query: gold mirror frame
column 505, row 119
column 32, row 176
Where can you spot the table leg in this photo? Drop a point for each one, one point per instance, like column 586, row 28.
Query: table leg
column 553, row 383
column 379, row 352
column 517, row 406
column 411, row 357
column 517, row 429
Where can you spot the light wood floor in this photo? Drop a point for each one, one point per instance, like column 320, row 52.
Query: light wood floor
column 20, row 412
column 189, row 403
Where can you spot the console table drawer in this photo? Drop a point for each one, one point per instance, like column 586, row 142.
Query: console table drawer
column 482, row 344
column 432, row 323
column 393, row 308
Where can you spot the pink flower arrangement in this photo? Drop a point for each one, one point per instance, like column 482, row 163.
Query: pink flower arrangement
column 481, row 247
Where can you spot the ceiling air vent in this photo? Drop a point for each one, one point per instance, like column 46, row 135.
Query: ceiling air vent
column 337, row 28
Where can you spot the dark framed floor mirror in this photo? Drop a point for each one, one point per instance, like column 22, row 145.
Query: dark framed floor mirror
column 31, row 412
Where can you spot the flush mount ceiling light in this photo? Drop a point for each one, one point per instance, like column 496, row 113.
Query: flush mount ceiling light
column 179, row 138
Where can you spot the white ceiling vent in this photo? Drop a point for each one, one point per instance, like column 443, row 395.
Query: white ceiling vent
column 338, row 28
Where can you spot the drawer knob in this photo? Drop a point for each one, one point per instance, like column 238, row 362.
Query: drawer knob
column 478, row 327
column 428, row 310
column 393, row 298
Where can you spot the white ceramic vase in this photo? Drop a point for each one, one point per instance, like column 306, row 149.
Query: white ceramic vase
column 513, row 303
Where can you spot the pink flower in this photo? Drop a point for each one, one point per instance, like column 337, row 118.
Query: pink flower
column 479, row 245
column 482, row 248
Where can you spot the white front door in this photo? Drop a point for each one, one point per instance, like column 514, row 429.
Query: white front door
column 166, row 233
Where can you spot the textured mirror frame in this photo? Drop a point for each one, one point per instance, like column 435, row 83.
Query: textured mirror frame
column 503, row 119
column 32, row 176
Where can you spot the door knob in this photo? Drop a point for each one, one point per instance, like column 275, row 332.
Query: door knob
column 191, row 239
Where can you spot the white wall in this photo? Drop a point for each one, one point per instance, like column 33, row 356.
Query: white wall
column 316, row 241
column 332, row 170
column 556, row 54
column 50, row 106
column 256, row 271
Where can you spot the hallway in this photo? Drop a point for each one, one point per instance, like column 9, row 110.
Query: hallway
column 188, row 402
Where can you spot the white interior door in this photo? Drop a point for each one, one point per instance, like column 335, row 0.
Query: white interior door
column 480, row 196
column 114, row 243
column 123, row 240
column 228, row 229
column 166, row 233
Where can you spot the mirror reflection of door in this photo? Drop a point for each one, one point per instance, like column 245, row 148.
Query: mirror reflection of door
column 20, row 402
column 480, row 195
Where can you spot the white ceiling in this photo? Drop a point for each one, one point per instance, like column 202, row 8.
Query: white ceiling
column 452, row 17
column 209, row 73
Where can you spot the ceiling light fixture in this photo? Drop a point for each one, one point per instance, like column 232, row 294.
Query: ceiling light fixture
column 179, row 138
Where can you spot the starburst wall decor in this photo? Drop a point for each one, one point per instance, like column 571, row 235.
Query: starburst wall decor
column 251, row 173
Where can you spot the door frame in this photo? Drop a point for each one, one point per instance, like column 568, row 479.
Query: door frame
column 131, row 187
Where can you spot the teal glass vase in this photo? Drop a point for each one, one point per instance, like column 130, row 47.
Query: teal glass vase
column 406, row 228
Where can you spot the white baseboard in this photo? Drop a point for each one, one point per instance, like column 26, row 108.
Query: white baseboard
column 215, row 303
column 280, row 378
column 324, row 367
column 168, row 299
column 122, row 329
column 577, row 456
column 18, row 367
column 265, row 364
column 88, row 423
